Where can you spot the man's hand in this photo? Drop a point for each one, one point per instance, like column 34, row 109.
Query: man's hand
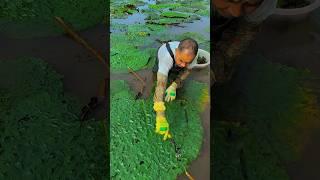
column 162, row 127
column 171, row 92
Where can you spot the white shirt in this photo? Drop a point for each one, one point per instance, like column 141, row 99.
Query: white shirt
column 165, row 60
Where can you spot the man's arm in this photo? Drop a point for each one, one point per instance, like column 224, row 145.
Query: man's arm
column 162, row 126
column 160, row 88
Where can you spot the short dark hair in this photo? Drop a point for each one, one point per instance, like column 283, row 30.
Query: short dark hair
column 189, row 43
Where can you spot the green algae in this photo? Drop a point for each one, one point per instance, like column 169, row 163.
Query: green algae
column 166, row 21
column 174, row 20
column 40, row 133
column 132, row 47
column 121, row 9
column 164, row 6
column 275, row 115
column 203, row 12
column 125, row 51
column 174, row 14
column 35, row 18
column 199, row 8
column 137, row 152
column 203, row 42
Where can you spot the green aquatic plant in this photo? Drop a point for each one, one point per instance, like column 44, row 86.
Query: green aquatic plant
column 35, row 18
column 132, row 47
column 199, row 8
column 137, row 152
column 174, row 14
column 174, row 19
column 121, row 9
column 164, row 6
column 40, row 133
column 125, row 51
column 166, row 21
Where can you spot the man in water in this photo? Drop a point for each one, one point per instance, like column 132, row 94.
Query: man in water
column 174, row 63
column 235, row 23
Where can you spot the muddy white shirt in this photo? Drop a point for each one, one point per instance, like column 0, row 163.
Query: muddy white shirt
column 165, row 60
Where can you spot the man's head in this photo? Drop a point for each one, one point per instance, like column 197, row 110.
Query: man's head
column 236, row 8
column 186, row 52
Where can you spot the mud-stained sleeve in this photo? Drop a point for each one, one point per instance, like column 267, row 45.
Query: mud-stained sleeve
column 160, row 88
column 181, row 77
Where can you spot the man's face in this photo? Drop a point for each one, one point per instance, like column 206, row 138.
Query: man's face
column 184, row 57
column 235, row 8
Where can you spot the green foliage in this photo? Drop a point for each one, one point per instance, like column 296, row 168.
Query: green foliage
column 35, row 18
column 137, row 152
column 40, row 132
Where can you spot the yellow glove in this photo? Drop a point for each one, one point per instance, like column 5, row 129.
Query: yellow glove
column 162, row 127
column 171, row 92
